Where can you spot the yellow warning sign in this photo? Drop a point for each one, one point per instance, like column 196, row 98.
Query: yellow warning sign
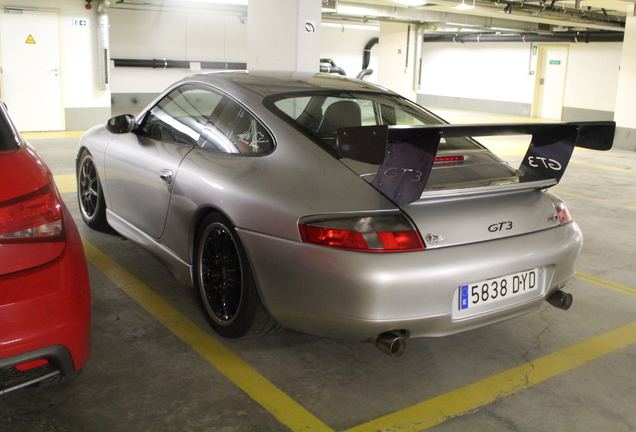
column 30, row 40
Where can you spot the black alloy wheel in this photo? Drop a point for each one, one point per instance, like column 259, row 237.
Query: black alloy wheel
column 225, row 284
column 89, row 193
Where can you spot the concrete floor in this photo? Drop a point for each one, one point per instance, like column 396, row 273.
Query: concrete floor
column 156, row 365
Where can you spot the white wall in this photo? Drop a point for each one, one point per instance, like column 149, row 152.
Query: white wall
column 501, row 72
column 143, row 34
column 192, row 36
column 490, row 71
column 79, row 72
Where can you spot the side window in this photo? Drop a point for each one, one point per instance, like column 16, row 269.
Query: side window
column 181, row 115
column 234, row 130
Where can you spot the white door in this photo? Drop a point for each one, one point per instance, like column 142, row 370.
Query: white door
column 31, row 70
column 550, row 85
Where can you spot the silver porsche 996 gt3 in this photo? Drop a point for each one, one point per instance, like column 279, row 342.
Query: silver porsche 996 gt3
column 335, row 207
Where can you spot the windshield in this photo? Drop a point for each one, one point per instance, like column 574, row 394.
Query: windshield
column 319, row 115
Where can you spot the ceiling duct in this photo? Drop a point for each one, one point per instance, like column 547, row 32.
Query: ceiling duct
column 578, row 37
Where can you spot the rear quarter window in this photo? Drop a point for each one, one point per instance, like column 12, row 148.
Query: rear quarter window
column 8, row 138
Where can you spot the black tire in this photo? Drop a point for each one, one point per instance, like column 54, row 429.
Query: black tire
column 90, row 194
column 226, row 288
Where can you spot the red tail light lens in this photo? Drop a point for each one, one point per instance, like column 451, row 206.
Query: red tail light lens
column 36, row 216
column 392, row 233
column 563, row 213
column 449, row 159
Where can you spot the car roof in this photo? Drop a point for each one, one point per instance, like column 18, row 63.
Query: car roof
column 267, row 83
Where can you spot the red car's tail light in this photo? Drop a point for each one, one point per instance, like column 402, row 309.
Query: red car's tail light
column 392, row 233
column 36, row 217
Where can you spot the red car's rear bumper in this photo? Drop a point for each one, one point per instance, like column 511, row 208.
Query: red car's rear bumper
column 45, row 314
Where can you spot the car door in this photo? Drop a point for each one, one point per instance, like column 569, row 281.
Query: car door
column 141, row 166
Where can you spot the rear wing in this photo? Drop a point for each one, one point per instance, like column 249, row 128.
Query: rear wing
column 406, row 154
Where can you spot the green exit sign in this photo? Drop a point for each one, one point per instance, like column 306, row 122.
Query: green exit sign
column 555, row 62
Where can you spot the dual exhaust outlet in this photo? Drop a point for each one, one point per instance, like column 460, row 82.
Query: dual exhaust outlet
column 393, row 343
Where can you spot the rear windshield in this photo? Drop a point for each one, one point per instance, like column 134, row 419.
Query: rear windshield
column 8, row 140
column 319, row 115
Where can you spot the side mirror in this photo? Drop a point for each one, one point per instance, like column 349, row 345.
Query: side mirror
column 121, row 124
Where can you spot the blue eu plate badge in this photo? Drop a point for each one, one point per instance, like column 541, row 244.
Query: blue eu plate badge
column 463, row 300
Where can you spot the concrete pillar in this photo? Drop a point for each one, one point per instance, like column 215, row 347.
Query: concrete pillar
column 396, row 46
column 625, row 112
column 283, row 35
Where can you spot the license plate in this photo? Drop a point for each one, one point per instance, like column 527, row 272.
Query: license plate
column 497, row 289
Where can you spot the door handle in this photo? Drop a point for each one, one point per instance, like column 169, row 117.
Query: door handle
column 166, row 176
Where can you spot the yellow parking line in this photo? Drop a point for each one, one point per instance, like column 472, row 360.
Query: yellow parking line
column 606, row 284
column 51, row 135
column 605, row 167
column 415, row 418
column 281, row 406
column 455, row 403
column 560, row 192
column 66, row 183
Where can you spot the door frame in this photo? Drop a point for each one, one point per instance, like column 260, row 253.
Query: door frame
column 541, row 54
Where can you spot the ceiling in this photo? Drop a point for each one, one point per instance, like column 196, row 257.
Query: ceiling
column 454, row 16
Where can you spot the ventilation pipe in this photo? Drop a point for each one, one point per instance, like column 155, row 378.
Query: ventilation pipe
column 329, row 66
column 366, row 55
column 419, row 40
column 103, row 44
column 176, row 64
column 578, row 37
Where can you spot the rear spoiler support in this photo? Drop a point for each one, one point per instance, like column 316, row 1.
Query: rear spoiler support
column 406, row 154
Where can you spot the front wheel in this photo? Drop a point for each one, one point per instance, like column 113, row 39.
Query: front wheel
column 225, row 285
column 90, row 194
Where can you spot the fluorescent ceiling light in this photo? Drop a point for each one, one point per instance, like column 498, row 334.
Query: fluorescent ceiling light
column 352, row 26
column 413, row 3
column 463, row 5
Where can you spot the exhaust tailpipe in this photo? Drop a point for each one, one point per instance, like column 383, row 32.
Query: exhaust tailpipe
column 561, row 300
column 391, row 343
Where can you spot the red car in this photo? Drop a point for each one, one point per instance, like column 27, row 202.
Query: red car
column 44, row 286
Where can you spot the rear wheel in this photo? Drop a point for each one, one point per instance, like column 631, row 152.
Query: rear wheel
column 225, row 285
column 90, row 194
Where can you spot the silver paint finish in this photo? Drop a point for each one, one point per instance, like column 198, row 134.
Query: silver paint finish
column 322, row 290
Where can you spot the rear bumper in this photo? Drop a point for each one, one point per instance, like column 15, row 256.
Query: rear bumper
column 45, row 311
column 357, row 295
column 59, row 360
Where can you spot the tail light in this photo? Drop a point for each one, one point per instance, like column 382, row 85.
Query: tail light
column 562, row 213
column 33, row 217
column 390, row 233
column 449, row 160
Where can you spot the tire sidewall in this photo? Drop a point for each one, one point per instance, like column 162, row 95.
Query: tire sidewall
column 242, row 321
column 98, row 219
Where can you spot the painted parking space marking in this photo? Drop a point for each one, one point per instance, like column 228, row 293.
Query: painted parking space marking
column 266, row 394
column 414, row 418
column 600, row 200
column 606, row 284
column 455, row 403
column 66, row 183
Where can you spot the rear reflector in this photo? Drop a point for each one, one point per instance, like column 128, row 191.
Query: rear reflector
column 31, row 365
column 36, row 216
column 392, row 233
